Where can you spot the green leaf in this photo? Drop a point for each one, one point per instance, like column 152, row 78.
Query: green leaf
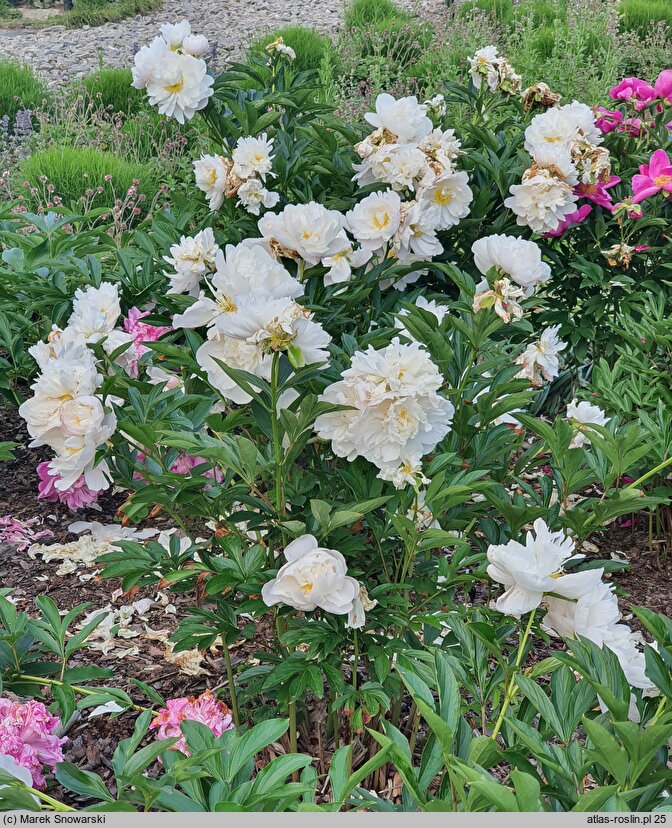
column 82, row 781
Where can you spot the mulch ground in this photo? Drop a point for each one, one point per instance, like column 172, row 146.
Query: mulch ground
column 646, row 582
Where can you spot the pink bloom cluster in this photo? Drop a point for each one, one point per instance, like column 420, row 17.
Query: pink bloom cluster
column 27, row 735
column 141, row 332
column 20, row 532
column 206, row 709
column 78, row 496
column 641, row 95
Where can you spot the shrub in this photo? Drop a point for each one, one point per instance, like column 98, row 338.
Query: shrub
column 73, row 170
column 642, row 15
column 111, row 89
column 310, row 47
column 19, row 89
column 97, row 12
column 365, row 12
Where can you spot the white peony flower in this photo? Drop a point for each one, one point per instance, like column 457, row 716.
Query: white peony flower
column 76, row 456
column 447, row 200
column 483, row 65
column 147, row 61
column 341, row 259
column 253, row 156
column 95, row 311
column 530, row 570
column 312, row 577
column 593, row 615
column 416, row 240
column 252, row 195
column 375, row 219
column 59, row 342
column 212, row 176
column 174, row 34
column 541, row 359
column 561, row 127
column 397, row 412
column 441, row 147
column 196, row 45
column 180, row 86
column 409, row 473
column 360, row 606
column 624, row 643
column 583, row 415
column 517, row 259
column 405, row 118
column 192, row 259
column 235, row 353
column 275, row 325
column 242, row 271
column 437, row 105
column 68, row 377
column 309, row 230
column 400, row 165
column 541, row 201
column 503, row 296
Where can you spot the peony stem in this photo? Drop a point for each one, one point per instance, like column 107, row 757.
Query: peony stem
column 83, row 690
column 232, row 686
column 512, row 686
column 277, row 449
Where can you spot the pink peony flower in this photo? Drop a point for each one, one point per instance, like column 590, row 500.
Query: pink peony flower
column 21, row 532
column 597, row 193
column 654, row 177
column 184, row 465
column 206, row 709
column 141, row 332
column 27, row 735
column 609, row 120
column 76, row 497
column 634, row 90
column 570, row 220
column 663, row 85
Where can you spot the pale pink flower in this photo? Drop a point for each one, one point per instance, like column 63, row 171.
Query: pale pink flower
column 141, row 332
column 27, row 734
column 76, row 497
column 20, row 532
column 206, row 709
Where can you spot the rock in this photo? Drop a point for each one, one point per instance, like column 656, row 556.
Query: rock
column 57, row 53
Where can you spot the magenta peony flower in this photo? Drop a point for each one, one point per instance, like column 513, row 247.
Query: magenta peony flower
column 21, row 532
column 663, row 85
column 27, row 735
column 206, row 709
column 597, row 193
column 654, row 177
column 141, row 332
column 634, row 90
column 609, row 120
column 76, row 497
column 570, row 220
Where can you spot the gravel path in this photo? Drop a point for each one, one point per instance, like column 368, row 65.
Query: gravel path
column 59, row 54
